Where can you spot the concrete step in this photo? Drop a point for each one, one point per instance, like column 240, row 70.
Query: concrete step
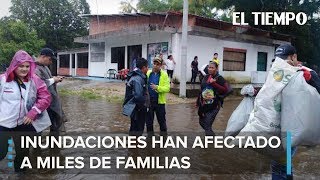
column 193, row 90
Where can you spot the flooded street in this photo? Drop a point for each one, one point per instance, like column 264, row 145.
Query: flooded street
column 87, row 115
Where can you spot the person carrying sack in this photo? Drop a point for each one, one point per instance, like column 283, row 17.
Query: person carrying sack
column 209, row 102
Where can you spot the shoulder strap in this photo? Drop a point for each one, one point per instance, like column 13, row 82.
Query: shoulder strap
column 20, row 85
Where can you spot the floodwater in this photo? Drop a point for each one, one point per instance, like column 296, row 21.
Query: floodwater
column 86, row 115
column 100, row 116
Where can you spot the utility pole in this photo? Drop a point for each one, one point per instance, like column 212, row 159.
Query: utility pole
column 183, row 50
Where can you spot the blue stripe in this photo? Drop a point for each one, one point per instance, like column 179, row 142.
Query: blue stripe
column 289, row 153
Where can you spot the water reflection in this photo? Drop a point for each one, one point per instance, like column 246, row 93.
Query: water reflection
column 100, row 116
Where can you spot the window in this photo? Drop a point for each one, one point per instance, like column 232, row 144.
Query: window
column 97, row 52
column 64, row 61
column 83, row 60
column 234, row 59
column 262, row 61
column 117, row 54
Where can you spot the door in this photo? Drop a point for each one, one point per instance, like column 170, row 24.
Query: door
column 134, row 52
column 262, row 61
column 118, row 56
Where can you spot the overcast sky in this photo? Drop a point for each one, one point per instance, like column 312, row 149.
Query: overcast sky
column 96, row 6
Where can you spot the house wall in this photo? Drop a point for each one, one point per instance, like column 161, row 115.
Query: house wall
column 118, row 23
column 82, row 72
column 203, row 47
column 68, row 71
column 100, row 68
column 63, row 71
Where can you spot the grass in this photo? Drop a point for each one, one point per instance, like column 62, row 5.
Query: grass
column 66, row 92
column 115, row 99
column 89, row 94
column 93, row 94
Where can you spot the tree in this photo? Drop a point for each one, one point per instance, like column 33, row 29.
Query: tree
column 15, row 35
column 306, row 38
column 205, row 8
column 58, row 22
column 127, row 7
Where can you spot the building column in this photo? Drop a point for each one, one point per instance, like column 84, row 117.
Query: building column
column 76, row 64
column 89, row 59
column 126, row 57
column 58, row 63
column 176, row 40
column 144, row 50
column 70, row 64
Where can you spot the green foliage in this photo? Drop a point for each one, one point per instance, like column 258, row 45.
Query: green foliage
column 56, row 21
column 205, row 8
column 127, row 7
column 15, row 35
column 306, row 38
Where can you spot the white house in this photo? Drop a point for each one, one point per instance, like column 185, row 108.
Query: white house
column 245, row 53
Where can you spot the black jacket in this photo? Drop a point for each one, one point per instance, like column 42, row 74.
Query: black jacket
column 136, row 89
column 315, row 81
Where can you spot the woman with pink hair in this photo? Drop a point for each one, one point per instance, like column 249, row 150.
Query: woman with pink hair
column 24, row 99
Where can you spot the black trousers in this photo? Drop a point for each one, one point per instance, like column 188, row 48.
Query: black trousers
column 138, row 120
column 207, row 120
column 194, row 76
column 15, row 133
column 56, row 122
column 170, row 73
column 160, row 111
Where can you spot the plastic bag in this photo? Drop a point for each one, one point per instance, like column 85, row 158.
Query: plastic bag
column 267, row 105
column 240, row 116
column 42, row 122
column 247, row 90
column 300, row 113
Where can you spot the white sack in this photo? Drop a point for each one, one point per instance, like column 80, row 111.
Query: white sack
column 265, row 117
column 300, row 112
column 240, row 116
column 247, row 90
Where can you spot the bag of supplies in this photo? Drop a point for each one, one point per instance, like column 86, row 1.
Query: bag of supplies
column 265, row 117
column 300, row 113
column 239, row 117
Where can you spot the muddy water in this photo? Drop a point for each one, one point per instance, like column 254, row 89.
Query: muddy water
column 95, row 114
column 100, row 116
column 86, row 115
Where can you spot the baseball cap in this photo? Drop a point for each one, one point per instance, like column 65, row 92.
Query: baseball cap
column 285, row 50
column 216, row 61
column 48, row 52
column 157, row 59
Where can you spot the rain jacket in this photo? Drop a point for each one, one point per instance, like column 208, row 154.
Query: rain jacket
column 57, row 116
column 36, row 100
column 136, row 95
column 163, row 86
